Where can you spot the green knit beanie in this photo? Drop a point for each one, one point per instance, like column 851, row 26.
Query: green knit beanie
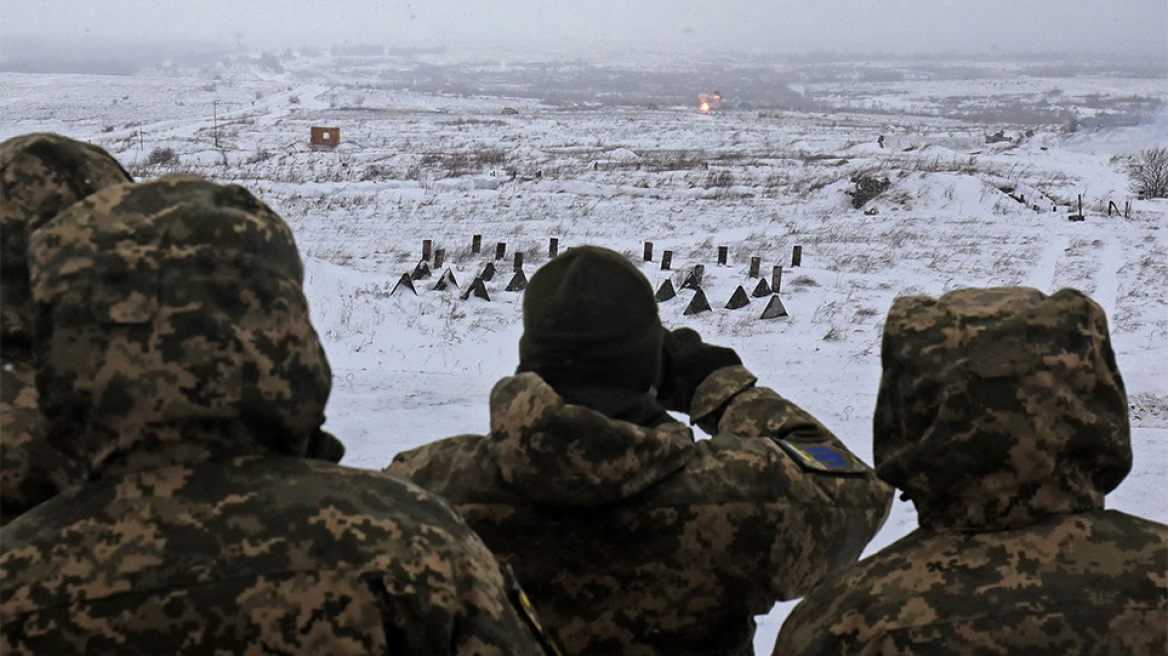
column 590, row 319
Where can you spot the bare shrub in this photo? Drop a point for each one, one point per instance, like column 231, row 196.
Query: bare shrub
column 161, row 155
column 867, row 188
column 1149, row 173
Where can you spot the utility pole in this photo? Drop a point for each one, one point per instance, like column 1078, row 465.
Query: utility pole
column 215, row 120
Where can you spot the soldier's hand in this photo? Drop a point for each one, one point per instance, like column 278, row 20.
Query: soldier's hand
column 685, row 362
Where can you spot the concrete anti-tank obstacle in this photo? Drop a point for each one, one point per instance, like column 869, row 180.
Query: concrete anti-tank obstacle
column 553, row 247
column 421, row 271
column 755, row 263
column 439, row 257
column 723, row 255
column 738, row 299
column 426, row 244
column 476, row 243
column 447, row 281
column 403, row 283
column 478, row 289
column 694, row 279
column 698, row 304
column 665, row 292
column 648, row 251
column 666, row 260
column 774, row 309
column 761, row 289
column 518, row 282
column 488, row 273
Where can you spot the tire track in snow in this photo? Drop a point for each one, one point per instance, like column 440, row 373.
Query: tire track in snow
column 1042, row 278
column 1107, row 276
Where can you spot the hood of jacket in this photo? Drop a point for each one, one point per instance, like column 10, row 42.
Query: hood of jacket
column 41, row 174
column 1000, row 406
column 172, row 327
column 557, row 453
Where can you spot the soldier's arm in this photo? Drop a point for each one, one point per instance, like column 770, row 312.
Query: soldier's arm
column 832, row 504
column 729, row 401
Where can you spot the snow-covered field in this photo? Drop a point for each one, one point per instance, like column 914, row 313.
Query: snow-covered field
column 760, row 180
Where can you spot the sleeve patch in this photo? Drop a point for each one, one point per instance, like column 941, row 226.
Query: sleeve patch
column 822, row 458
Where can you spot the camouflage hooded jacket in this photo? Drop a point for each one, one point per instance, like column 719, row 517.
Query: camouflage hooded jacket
column 634, row 540
column 40, row 175
column 177, row 359
column 1003, row 418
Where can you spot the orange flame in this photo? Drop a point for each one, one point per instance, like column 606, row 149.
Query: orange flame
column 705, row 107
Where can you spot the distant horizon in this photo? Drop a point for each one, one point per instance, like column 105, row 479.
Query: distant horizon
column 529, row 28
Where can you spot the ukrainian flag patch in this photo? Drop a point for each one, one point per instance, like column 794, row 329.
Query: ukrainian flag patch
column 823, row 458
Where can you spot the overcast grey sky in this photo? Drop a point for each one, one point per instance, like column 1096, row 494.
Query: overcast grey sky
column 1003, row 26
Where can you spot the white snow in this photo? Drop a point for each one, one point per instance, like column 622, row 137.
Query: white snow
column 411, row 369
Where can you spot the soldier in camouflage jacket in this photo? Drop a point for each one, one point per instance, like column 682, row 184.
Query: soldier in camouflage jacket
column 630, row 536
column 1002, row 416
column 40, row 175
column 176, row 357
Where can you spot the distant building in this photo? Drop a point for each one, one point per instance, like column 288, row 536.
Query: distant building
column 325, row 137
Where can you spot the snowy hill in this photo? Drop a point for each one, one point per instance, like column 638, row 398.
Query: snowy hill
column 419, row 165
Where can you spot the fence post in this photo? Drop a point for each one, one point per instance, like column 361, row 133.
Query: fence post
column 426, row 244
column 723, row 253
column 439, row 256
column 666, row 260
column 755, row 263
column 776, row 278
column 500, row 250
column 797, row 256
column 553, row 247
column 648, row 251
column 518, row 261
column 476, row 243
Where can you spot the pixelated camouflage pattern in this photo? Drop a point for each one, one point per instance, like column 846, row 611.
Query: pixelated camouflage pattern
column 40, row 175
column 631, row 540
column 1003, row 416
column 1093, row 584
column 1028, row 380
column 253, row 555
column 33, row 471
column 168, row 315
column 148, row 327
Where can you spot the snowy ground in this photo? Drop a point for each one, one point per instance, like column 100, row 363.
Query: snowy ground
column 441, row 166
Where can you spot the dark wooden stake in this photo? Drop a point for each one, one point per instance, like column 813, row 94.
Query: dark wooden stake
column 553, row 247
column 518, row 261
column 776, row 279
column 476, row 243
column 797, row 256
column 648, row 251
column 500, row 250
column 755, row 263
column 666, row 260
column 723, row 253
column 439, row 257
column 426, row 244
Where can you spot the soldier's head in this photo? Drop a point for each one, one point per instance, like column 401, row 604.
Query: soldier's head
column 998, row 406
column 40, row 175
column 168, row 306
column 590, row 320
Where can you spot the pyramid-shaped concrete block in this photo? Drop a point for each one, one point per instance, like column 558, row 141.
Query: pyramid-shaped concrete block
column 763, row 288
column 518, row 282
column 404, row 283
column 774, row 309
column 697, row 304
column 488, row 273
column 738, row 299
column 665, row 291
column 691, row 281
column 477, row 289
column 421, row 271
column 447, row 281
